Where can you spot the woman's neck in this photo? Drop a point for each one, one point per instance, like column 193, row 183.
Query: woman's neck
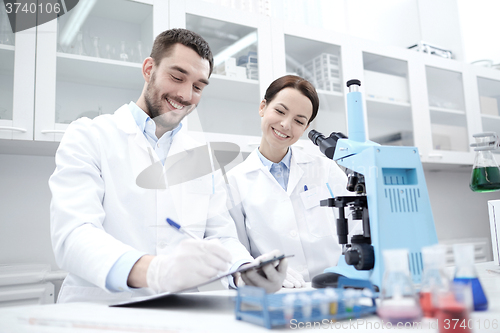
column 272, row 154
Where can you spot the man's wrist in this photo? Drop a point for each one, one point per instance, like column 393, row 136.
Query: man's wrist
column 138, row 274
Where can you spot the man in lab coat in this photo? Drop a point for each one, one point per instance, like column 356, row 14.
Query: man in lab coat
column 110, row 195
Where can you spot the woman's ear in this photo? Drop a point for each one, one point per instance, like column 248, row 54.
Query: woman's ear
column 262, row 107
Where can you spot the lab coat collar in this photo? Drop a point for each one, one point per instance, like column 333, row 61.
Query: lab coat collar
column 296, row 171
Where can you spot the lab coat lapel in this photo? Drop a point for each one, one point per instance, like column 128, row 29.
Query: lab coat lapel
column 296, row 170
column 125, row 121
column 254, row 163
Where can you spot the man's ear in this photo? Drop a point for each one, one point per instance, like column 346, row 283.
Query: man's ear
column 261, row 107
column 147, row 68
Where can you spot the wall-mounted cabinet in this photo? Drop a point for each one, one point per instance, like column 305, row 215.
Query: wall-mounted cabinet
column 59, row 71
column 17, row 81
column 90, row 65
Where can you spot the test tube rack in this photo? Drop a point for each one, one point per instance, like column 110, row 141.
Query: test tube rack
column 254, row 305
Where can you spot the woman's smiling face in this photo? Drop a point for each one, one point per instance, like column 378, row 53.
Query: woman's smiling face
column 284, row 119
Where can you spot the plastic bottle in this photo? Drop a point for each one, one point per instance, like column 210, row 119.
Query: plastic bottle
column 398, row 301
column 434, row 279
column 465, row 273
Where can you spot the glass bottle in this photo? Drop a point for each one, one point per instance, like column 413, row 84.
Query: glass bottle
column 6, row 35
column 123, row 52
column 398, row 301
column 95, row 44
column 434, row 278
column 485, row 172
column 465, row 273
column 79, row 47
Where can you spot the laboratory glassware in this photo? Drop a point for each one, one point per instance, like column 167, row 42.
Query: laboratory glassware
column 434, row 278
column 465, row 273
column 453, row 307
column 485, row 172
column 398, row 301
column 95, row 45
column 123, row 51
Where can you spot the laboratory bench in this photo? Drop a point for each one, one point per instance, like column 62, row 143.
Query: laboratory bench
column 208, row 311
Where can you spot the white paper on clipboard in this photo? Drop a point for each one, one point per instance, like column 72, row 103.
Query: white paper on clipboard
column 241, row 269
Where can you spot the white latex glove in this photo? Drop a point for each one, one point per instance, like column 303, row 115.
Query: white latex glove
column 274, row 276
column 293, row 279
column 193, row 262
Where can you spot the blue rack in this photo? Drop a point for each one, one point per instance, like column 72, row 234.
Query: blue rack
column 255, row 306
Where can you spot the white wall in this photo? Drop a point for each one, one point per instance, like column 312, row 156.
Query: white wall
column 458, row 212
column 24, row 209
column 394, row 22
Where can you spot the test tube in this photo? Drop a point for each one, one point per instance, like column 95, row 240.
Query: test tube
column 306, row 306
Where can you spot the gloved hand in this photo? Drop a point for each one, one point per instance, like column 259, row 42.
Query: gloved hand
column 293, row 279
column 192, row 262
column 274, row 276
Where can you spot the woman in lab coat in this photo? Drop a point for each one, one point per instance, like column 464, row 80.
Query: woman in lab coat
column 275, row 193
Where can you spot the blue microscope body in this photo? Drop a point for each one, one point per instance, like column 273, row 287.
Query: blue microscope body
column 391, row 201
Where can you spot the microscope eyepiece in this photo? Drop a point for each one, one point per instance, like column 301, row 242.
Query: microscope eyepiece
column 316, row 136
column 326, row 145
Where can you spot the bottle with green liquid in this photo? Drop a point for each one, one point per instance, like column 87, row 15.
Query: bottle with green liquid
column 485, row 172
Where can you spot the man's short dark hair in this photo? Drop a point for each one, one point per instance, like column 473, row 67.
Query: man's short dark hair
column 165, row 41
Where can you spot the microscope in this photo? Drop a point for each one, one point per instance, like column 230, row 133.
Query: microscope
column 390, row 199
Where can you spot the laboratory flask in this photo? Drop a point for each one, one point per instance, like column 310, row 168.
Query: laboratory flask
column 434, row 278
column 398, row 301
column 485, row 172
column 465, row 273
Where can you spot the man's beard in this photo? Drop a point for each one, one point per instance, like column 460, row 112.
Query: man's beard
column 155, row 105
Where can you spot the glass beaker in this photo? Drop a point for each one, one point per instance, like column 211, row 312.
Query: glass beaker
column 434, row 279
column 398, row 301
column 485, row 172
column 465, row 273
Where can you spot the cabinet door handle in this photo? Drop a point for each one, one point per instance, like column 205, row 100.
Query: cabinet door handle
column 16, row 129
column 52, row 131
column 435, row 155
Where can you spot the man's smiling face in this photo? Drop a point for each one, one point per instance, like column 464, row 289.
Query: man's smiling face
column 175, row 86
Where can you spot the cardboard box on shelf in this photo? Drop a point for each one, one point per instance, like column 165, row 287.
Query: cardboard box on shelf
column 489, row 105
column 386, row 87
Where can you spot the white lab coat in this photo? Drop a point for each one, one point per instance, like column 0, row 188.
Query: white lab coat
column 98, row 212
column 269, row 218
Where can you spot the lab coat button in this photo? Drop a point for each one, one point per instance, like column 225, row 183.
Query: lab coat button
column 293, row 233
column 162, row 244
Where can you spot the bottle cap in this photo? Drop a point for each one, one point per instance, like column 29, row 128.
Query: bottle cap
column 434, row 256
column 464, row 254
column 396, row 260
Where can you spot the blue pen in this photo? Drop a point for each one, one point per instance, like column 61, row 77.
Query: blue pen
column 305, row 188
column 177, row 227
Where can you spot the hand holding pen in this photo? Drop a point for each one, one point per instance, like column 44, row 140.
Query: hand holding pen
column 192, row 262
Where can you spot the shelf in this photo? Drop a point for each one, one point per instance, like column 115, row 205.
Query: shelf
column 448, row 117
column 97, row 71
column 7, row 47
column 448, row 111
column 223, row 87
column 487, row 116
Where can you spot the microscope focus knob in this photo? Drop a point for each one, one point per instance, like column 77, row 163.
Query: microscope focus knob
column 352, row 257
column 361, row 256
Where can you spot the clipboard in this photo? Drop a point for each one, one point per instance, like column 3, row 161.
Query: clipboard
column 243, row 268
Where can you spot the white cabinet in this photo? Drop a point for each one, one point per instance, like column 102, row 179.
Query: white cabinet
column 48, row 79
column 240, row 43
column 317, row 56
column 90, row 64
column 17, row 81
